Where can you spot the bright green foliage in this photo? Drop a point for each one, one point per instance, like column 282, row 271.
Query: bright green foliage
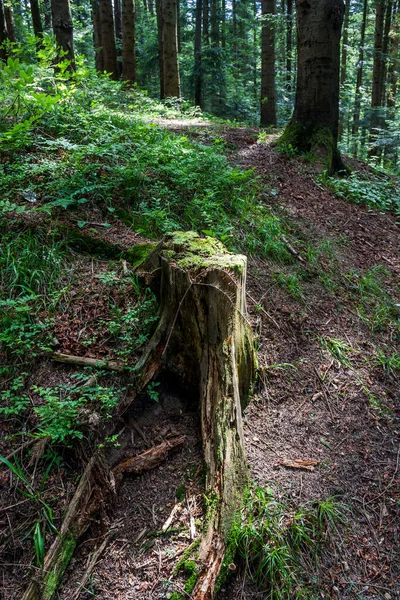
column 378, row 192
column 279, row 542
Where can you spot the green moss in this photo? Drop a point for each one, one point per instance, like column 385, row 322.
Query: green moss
column 53, row 578
column 84, row 242
column 188, row 552
column 177, row 596
column 180, row 492
column 190, row 251
column 191, row 582
column 137, row 254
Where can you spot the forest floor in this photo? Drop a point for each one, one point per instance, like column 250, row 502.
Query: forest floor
column 328, row 390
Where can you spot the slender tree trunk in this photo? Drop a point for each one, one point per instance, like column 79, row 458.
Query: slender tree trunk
column 151, row 7
column 170, row 49
column 160, row 36
column 37, row 22
column 378, row 55
column 108, row 38
column 385, row 49
column 268, row 98
column 98, row 49
column 10, row 23
column 3, row 31
column 345, row 42
column 198, row 76
column 118, row 34
column 359, row 79
column 128, row 41
column 206, row 12
column 393, row 65
column 289, row 43
column 63, row 29
column 315, row 120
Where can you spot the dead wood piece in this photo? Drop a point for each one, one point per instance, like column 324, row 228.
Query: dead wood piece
column 92, row 563
column 298, row 463
column 292, row 250
column 174, row 512
column 91, row 497
column 149, row 459
column 84, row 361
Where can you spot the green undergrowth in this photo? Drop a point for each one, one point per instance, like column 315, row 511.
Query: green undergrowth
column 279, row 542
column 94, row 146
column 378, row 192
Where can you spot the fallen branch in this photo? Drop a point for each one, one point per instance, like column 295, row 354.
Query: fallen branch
column 292, row 250
column 83, row 361
column 149, row 459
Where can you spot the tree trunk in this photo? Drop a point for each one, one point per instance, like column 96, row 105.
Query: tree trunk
column 160, row 36
column 359, row 80
column 206, row 11
column 170, row 49
column 128, row 41
column 198, row 76
column 108, row 38
column 118, row 34
column 289, row 43
column 3, row 31
column 378, row 55
column 268, row 98
column 345, row 42
column 385, row 49
column 10, row 23
column 314, row 124
column 98, row 49
column 36, row 20
column 214, row 22
column 63, row 29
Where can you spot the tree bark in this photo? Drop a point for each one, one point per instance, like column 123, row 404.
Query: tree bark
column 36, row 19
column 63, row 29
column 315, row 120
column 128, row 41
column 345, row 42
column 198, row 76
column 268, row 97
column 204, row 338
column 160, row 37
column 10, row 23
column 289, row 43
column 98, row 49
column 359, row 80
column 3, row 31
column 170, row 49
column 118, row 33
column 378, row 55
column 108, row 38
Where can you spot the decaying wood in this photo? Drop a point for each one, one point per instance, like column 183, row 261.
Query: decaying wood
column 298, row 463
column 93, row 495
column 84, row 361
column 149, row 459
column 204, row 337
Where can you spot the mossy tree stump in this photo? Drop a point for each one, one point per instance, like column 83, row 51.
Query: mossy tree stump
column 203, row 336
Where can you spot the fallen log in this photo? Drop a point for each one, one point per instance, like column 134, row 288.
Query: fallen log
column 150, row 459
column 92, row 497
column 84, row 361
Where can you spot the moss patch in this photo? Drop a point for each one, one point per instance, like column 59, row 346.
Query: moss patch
column 137, row 254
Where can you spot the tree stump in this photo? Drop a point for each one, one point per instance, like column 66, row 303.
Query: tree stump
column 203, row 337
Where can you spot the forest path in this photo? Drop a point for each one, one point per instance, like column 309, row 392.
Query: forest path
column 324, row 394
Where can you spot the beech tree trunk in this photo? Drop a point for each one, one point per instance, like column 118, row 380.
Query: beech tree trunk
column 315, row 120
column 108, row 38
column 268, row 96
column 359, row 80
column 128, row 41
column 63, row 29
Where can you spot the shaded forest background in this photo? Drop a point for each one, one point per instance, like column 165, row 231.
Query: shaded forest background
column 235, row 58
